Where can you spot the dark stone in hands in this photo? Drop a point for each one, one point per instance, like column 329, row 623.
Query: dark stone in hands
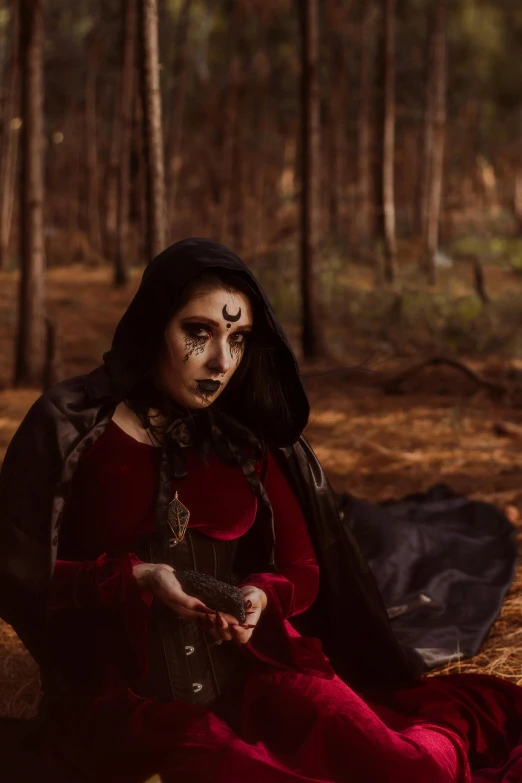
column 215, row 594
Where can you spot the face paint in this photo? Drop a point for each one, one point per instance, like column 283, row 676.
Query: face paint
column 228, row 317
column 193, row 345
column 237, row 347
column 202, row 352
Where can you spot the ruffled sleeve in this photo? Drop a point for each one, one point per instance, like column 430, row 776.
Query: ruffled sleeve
column 104, row 583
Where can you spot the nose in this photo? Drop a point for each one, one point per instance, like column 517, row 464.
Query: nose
column 219, row 359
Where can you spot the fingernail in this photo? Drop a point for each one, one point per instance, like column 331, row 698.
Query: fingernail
column 248, row 603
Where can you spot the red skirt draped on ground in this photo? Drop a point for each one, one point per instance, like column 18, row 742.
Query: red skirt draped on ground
column 291, row 719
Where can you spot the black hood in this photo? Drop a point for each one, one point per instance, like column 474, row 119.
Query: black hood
column 140, row 331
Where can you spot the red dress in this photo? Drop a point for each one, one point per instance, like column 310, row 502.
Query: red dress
column 292, row 720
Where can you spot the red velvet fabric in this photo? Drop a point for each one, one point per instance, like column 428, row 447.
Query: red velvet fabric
column 293, row 720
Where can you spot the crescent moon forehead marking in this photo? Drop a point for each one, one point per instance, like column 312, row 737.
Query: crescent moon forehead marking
column 228, row 317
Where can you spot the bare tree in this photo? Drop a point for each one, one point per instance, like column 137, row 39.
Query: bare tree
column 231, row 174
column 91, row 144
column 152, row 114
column 337, row 18
column 313, row 338
column 178, row 103
column 126, row 106
column 31, row 342
column 438, row 119
column 10, row 135
column 112, row 176
column 364, row 216
column 426, row 148
column 388, row 162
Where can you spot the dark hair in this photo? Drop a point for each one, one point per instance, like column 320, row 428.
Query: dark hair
column 251, row 388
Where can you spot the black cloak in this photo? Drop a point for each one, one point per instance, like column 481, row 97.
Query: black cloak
column 348, row 616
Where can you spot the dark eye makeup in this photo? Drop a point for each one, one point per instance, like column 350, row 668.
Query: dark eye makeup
column 195, row 330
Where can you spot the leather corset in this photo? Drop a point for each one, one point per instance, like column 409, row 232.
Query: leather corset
column 182, row 662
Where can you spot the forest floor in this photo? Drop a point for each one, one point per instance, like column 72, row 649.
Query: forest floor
column 376, row 445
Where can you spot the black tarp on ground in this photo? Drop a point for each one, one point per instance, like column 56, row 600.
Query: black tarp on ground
column 443, row 564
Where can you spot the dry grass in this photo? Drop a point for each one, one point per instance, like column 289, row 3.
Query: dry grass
column 373, row 445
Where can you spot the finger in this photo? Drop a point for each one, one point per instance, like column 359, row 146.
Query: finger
column 221, row 622
column 230, row 619
column 208, row 624
column 196, row 604
column 242, row 635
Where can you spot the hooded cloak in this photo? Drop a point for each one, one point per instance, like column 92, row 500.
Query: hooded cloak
column 348, row 616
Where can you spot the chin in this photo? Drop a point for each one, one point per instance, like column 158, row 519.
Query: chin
column 191, row 399
column 198, row 402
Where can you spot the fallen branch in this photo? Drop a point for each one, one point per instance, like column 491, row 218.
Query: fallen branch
column 394, row 386
column 508, row 430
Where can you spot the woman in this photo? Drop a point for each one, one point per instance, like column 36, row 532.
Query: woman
column 182, row 455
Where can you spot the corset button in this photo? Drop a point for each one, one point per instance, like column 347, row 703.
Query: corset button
column 197, row 687
column 189, row 650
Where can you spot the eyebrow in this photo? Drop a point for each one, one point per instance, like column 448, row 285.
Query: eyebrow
column 200, row 319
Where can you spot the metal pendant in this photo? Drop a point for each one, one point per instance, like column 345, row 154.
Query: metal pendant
column 178, row 518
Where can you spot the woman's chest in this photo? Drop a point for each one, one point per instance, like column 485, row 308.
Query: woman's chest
column 113, row 499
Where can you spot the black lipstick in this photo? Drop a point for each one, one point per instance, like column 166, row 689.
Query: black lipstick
column 208, row 386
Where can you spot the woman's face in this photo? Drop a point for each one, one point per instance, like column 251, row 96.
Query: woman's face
column 205, row 342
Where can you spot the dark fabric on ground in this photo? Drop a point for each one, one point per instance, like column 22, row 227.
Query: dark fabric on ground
column 443, row 563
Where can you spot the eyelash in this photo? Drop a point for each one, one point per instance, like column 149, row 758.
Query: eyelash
column 193, row 329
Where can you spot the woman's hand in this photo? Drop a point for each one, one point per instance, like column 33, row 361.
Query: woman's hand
column 224, row 628
column 161, row 580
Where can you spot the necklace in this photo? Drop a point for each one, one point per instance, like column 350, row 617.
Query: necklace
column 178, row 517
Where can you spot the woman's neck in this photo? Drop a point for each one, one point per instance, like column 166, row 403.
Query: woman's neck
column 130, row 423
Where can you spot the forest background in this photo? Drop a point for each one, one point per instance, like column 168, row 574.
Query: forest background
column 365, row 159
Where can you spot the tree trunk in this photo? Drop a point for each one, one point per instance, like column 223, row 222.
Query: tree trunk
column 388, row 163
column 127, row 93
column 31, row 341
column 178, row 105
column 264, row 132
column 439, row 127
column 231, row 119
column 91, row 147
column 313, row 338
column 427, row 135
column 365, row 218
column 10, row 134
column 139, row 211
column 237, row 189
column 333, row 106
column 113, row 173
column 156, row 234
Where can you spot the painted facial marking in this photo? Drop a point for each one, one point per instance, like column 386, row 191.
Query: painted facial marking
column 228, row 326
column 205, row 396
column 193, row 345
column 236, row 350
column 228, row 317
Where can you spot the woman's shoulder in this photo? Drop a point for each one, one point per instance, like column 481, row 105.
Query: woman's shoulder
column 73, row 394
column 67, row 405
